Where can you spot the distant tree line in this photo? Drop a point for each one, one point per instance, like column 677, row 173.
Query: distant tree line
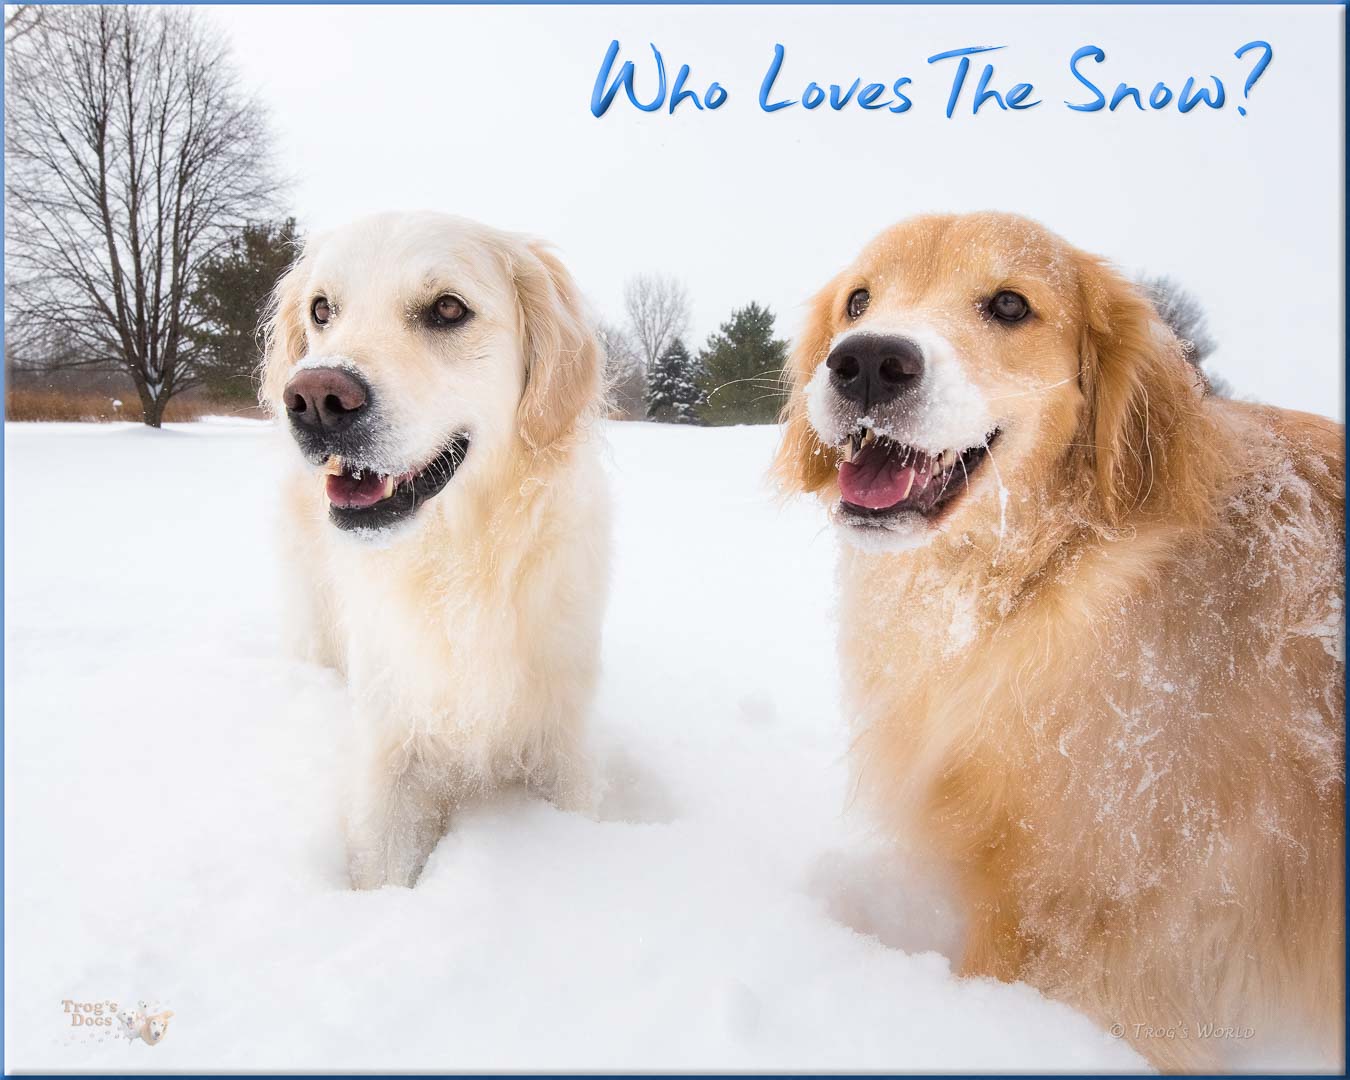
column 144, row 232
column 736, row 378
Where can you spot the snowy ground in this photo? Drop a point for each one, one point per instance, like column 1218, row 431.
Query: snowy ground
column 171, row 819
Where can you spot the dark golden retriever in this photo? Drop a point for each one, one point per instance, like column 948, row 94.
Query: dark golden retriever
column 1091, row 632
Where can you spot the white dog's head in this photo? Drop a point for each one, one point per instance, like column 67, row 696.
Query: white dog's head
column 406, row 348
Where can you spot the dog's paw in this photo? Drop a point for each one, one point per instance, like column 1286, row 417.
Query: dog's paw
column 376, row 867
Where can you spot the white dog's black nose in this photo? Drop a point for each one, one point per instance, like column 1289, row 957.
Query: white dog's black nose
column 870, row 369
column 325, row 399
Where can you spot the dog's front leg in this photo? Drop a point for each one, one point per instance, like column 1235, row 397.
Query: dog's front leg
column 400, row 810
column 994, row 947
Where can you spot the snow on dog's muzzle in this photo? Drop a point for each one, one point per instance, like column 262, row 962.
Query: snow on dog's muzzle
column 881, row 476
column 912, row 428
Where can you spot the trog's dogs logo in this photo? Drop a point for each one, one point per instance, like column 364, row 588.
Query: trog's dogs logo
column 147, row 1023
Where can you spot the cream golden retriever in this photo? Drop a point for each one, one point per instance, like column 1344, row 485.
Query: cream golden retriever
column 446, row 517
column 1091, row 632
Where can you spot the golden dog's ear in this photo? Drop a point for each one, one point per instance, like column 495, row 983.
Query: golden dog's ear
column 283, row 337
column 562, row 354
column 804, row 463
column 1145, row 430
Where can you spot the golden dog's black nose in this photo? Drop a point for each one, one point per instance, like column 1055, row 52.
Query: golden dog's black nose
column 871, row 369
column 324, row 399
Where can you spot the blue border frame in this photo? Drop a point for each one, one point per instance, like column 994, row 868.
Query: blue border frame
column 1345, row 390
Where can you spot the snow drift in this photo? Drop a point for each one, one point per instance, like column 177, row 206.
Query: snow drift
column 172, row 830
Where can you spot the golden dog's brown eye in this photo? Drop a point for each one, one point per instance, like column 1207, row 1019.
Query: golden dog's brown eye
column 319, row 311
column 857, row 302
column 1008, row 306
column 449, row 310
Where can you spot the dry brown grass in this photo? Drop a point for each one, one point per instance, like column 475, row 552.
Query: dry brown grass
column 97, row 407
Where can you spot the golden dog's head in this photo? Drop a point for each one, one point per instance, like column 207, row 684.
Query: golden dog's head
column 970, row 369
column 407, row 350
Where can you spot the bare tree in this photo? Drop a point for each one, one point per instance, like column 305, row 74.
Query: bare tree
column 625, row 373
column 21, row 19
column 658, row 313
column 131, row 157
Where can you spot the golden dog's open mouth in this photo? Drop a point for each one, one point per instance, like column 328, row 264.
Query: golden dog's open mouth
column 880, row 477
column 360, row 498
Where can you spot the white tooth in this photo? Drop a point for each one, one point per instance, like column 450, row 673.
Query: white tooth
column 909, row 483
column 333, row 466
column 388, row 486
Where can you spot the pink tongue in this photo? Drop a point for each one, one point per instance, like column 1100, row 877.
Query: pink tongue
column 345, row 490
column 875, row 479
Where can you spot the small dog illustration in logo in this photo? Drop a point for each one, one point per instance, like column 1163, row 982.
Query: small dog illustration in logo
column 129, row 1025
column 148, row 1027
column 155, row 1026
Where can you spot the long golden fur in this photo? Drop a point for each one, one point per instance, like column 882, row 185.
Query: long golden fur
column 1106, row 688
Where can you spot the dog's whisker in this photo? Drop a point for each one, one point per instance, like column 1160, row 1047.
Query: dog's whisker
column 947, row 478
column 1035, row 390
column 763, row 378
column 1002, row 501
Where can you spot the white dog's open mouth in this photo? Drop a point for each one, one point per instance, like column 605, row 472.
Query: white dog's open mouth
column 880, row 478
column 362, row 498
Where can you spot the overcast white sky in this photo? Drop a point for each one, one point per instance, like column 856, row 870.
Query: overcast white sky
column 486, row 112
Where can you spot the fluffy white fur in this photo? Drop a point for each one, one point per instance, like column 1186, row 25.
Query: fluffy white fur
column 469, row 636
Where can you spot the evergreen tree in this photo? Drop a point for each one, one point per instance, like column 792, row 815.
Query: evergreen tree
column 673, row 391
column 232, row 290
column 741, row 370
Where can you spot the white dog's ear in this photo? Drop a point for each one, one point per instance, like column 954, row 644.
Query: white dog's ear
column 283, row 333
column 562, row 355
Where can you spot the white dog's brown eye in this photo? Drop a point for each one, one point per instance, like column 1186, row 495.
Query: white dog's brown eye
column 319, row 311
column 857, row 302
column 1008, row 306
column 449, row 310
